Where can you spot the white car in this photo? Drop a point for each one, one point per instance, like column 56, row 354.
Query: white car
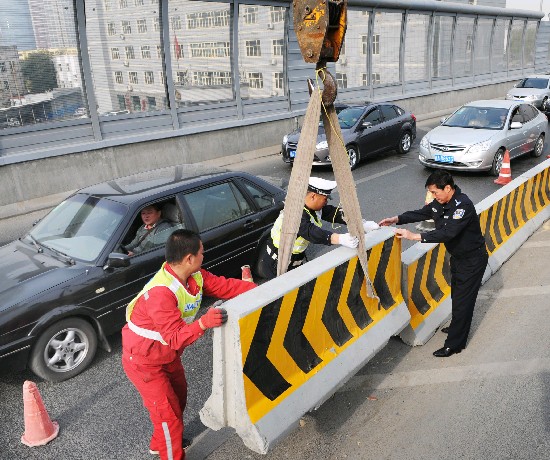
column 475, row 137
column 534, row 89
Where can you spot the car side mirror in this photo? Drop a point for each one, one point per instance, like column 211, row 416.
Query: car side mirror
column 117, row 260
column 515, row 125
column 443, row 120
column 366, row 125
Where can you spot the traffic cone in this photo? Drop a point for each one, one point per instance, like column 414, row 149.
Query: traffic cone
column 427, row 225
column 505, row 175
column 39, row 429
column 247, row 274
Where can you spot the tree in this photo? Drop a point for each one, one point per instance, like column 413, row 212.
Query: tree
column 39, row 72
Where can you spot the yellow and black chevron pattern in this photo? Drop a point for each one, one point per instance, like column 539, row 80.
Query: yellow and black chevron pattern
column 428, row 283
column 288, row 341
column 509, row 214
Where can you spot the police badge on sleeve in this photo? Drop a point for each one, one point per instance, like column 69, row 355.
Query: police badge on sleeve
column 458, row 214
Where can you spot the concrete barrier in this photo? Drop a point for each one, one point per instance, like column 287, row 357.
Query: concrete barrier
column 507, row 217
column 292, row 342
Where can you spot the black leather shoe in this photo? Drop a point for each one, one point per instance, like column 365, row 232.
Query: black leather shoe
column 445, row 330
column 445, row 352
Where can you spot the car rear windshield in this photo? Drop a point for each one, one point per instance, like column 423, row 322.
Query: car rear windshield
column 538, row 83
column 478, row 118
column 79, row 227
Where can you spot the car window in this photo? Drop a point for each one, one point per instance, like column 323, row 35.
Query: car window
column 517, row 116
column 217, row 205
column 538, row 83
column 261, row 197
column 388, row 111
column 80, row 226
column 399, row 110
column 373, row 117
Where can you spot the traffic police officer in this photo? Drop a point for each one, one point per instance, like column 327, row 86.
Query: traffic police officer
column 457, row 227
column 315, row 210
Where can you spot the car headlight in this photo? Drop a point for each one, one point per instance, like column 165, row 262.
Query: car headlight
column 424, row 142
column 285, row 139
column 321, row 145
column 482, row 147
column 509, row 96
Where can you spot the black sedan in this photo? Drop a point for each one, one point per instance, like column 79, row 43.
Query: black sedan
column 65, row 285
column 366, row 129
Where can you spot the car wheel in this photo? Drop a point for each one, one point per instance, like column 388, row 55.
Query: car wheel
column 64, row 350
column 497, row 163
column 539, row 147
column 353, row 155
column 405, row 142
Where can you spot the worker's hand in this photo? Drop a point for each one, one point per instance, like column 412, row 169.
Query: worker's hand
column 345, row 239
column 408, row 235
column 388, row 221
column 369, row 225
column 214, row 317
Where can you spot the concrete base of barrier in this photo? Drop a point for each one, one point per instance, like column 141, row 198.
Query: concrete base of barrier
column 426, row 330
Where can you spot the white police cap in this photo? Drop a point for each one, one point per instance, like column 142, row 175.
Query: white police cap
column 321, row 186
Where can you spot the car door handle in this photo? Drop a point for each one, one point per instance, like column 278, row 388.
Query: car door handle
column 251, row 223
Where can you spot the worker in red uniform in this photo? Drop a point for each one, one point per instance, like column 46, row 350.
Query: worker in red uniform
column 160, row 324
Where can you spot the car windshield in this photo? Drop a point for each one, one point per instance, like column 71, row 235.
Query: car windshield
column 79, row 227
column 478, row 118
column 348, row 117
column 538, row 83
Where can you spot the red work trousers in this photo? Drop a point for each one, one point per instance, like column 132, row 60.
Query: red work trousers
column 163, row 389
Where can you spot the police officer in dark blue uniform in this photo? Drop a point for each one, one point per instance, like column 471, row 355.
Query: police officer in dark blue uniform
column 457, row 227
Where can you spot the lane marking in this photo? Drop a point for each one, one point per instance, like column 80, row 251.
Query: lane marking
column 446, row 375
column 377, row 175
column 514, row 292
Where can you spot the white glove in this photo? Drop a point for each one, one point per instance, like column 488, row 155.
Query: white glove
column 345, row 239
column 369, row 225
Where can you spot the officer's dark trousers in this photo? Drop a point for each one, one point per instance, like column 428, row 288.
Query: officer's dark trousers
column 466, row 277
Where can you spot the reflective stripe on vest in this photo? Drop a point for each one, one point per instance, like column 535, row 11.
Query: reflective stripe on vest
column 300, row 244
column 188, row 304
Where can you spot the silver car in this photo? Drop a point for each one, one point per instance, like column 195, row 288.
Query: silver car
column 475, row 137
column 534, row 89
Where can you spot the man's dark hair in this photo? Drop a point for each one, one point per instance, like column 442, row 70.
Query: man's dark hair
column 440, row 179
column 156, row 206
column 181, row 243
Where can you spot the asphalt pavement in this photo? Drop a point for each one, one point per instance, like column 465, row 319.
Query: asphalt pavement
column 491, row 401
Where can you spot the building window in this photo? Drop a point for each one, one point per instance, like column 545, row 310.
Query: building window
column 376, row 44
column 278, row 46
column 256, row 80
column 6, row 85
column 176, row 23
column 139, row 2
column 126, row 27
column 277, row 13
column 253, row 48
column 149, row 77
column 145, row 52
column 115, row 53
column 251, row 15
column 106, row 5
column 210, row 49
column 469, row 42
column 123, row 4
column 118, row 77
column 364, row 45
column 121, row 102
column 208, row 19
column 159, row 51
column 156, row 23
column 341, row 80
column 142, row 26
column 2, row 67
column 375, row 78
column 278, row 82
column 136, row 103
column 111, row 28
column 133, row 77
column 152, row 103
column 181, row 77
column 364, row 79
column 130, row 52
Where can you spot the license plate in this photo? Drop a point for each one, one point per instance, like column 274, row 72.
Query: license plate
column 292, row 153
column 444, row 158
